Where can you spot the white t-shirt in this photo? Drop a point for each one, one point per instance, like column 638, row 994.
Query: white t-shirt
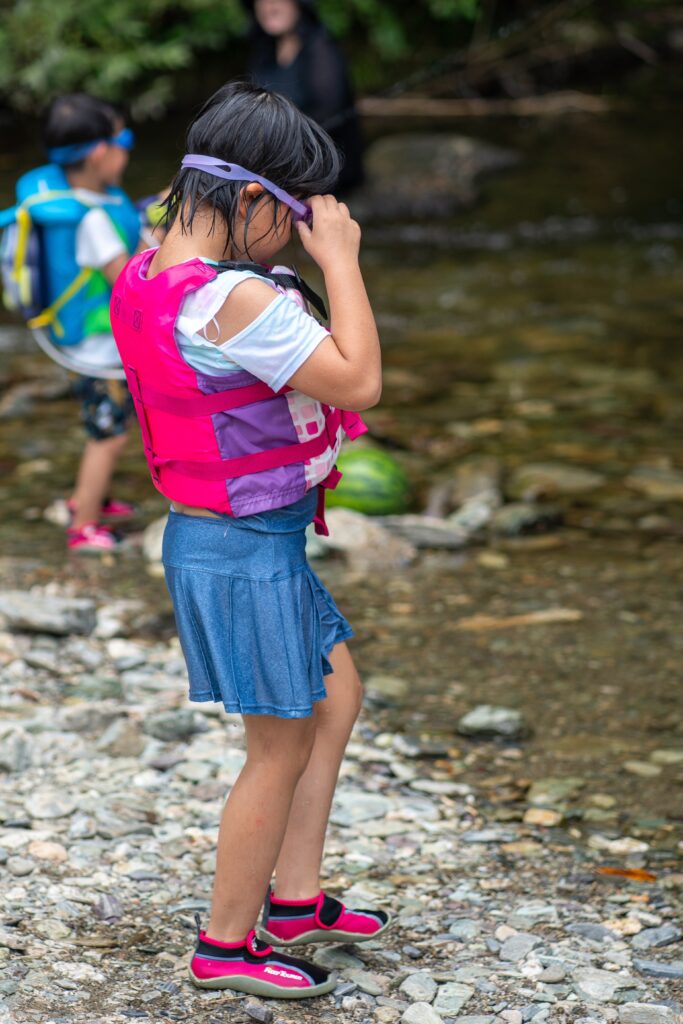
column 272, row 347
column 97, row 243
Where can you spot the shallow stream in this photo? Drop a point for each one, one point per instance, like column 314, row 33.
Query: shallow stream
column 541, row 326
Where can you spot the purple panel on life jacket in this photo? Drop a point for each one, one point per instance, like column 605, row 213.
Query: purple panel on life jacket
column 240, row 432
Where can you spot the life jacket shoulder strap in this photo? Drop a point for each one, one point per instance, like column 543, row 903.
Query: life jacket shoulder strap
column 293, row 280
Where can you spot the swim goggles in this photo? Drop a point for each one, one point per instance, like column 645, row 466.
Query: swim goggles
column 66, row 155
column 233, row 172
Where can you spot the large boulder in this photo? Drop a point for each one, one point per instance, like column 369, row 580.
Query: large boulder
column 425, row 175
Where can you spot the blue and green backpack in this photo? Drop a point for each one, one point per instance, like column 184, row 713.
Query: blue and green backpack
column 40, row 277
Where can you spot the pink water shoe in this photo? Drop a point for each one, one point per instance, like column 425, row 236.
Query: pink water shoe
column 321, row 919
column 91, row 539
column 253, row 966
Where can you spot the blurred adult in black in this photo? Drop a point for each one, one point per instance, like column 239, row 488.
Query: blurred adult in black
column 293, row 54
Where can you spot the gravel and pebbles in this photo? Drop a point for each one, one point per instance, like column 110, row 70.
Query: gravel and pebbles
column 111, row 786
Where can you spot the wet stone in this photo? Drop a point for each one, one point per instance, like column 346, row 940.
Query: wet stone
column 41, row 613
column 169, row 726
column 647, row 1013
column 597, row 985
column 464, row 929
column 594, row 932
column 47, row 804
column 659, row 968
column 549, row 479
column 522, row 517
column 19, row 866
column 122, row 739
column 350, row 808
column 552, row 791
column 419, row 987
column 518, row 946
column 552, row 975
column 451, row 997
column 421, row 1013
column 489, row 720
column 652, row 938
column 255, row 1011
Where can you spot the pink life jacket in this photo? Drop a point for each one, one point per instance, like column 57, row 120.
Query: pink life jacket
column 223, row 442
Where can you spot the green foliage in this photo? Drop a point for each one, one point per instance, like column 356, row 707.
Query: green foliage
column 117, row 49
column 133, row 50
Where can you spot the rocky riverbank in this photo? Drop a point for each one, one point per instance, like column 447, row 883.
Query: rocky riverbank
column 112, row 790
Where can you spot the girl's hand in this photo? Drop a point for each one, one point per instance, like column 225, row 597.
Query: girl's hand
column 334, row 236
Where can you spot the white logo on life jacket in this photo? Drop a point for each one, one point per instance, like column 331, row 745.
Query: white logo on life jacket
column 282, row 974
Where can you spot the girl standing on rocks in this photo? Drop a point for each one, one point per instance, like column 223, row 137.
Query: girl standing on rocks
column 239, row 392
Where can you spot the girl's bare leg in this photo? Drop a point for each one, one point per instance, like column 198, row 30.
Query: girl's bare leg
column 94, row 477
column 254, row 820
column 298, row 864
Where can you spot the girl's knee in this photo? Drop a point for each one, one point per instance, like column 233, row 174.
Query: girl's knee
column 282, row 745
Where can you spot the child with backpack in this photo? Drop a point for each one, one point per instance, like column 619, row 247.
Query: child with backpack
column 243, row 398
column 70, row 234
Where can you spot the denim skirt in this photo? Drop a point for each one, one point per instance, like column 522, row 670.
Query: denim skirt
column 256, row 625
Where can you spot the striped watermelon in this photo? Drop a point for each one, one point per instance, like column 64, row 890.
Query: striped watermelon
column 373, row 483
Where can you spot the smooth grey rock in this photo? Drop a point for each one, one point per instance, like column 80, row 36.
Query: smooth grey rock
column 9, row 939
column 42, row 613
column 659, row 968
column 526, row 914
column 519, row 517
column 492, row 720
column 152, row 540
column 517, row 947
column 451, row 997
column 365, row 543
column 595, row 932
column 475, row 1018
column 421, row 1013
column 20, row 866
column 368, row 981
column 548, row 479
column 657, row 483
column 335, row 958
column 352, row 807
column 420, row 987
column 417, row 175
column 464, row 928
column 599, row 986
column 390, row 687
column 652, row 938
column 553, row 791
column 647, row 1013
column 49, row 803
column 255, row 1011
column 16, row 750
column 473, row 516
column 122, row 738
column 487, row 835
column 426, row 531
column 174, row 725
column 552, row 975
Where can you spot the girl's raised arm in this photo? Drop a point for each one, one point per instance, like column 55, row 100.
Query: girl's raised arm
column 345, row 370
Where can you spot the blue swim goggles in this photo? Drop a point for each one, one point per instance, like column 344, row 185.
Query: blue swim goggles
column 65, row 155
column 233, row 172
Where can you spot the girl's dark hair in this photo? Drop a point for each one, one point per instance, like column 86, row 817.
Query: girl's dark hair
column 262, row 132
column 77, row 118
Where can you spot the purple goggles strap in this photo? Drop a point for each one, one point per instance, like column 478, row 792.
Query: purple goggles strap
column 233, row 172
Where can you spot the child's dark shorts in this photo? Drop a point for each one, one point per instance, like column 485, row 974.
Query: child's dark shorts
column 106, row 406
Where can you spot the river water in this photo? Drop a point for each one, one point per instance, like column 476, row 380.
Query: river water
column 541, row 326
